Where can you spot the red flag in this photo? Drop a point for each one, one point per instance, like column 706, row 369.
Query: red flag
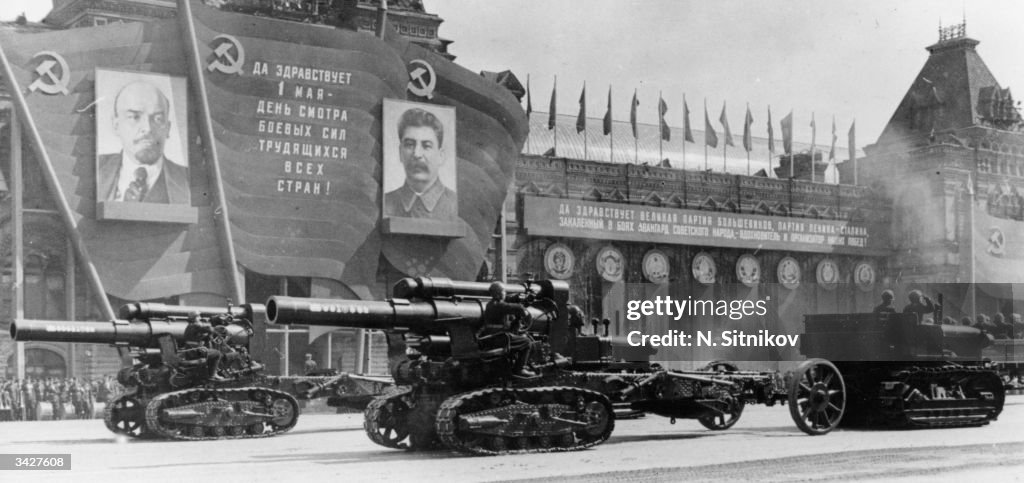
column 771, row 134
column 608, row 114
column 687, row 133
column 725, row 127
column 787, row 133
column 814, row 136
column 551, row 108
column 710, row 138
column 529, row 101
column 632, row 112
column 581, row 118
column 748, row 143
column 851, row 143
column 666, row 132
column 832, row 150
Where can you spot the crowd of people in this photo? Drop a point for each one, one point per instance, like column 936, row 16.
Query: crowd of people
column 21, row 399
column 997, row 325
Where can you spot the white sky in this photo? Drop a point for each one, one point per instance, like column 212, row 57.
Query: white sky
column 850, row 59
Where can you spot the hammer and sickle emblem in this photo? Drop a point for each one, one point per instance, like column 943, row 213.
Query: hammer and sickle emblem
column 422, row 79
column 996, row 242
column 50, row 82
column 223, row 61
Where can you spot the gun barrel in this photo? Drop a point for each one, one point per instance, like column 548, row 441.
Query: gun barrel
column 394, row 315
column 148, row 310
column 132, row 333
column 439, row 287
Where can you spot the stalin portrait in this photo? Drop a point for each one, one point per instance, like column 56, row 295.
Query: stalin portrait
column 419, row 165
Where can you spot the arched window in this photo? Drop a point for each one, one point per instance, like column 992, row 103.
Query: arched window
column 40, row 363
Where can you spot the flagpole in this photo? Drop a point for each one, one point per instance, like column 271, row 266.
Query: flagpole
column 683, row 137
column 611, row 131
column 853, row 149
column 585, row 152
column 771, row 142
column 705, row 134
column 529, row 110
column 748, row 137
column 725, row 149
column 555, row 117
column 661, row 138
column 814, row 135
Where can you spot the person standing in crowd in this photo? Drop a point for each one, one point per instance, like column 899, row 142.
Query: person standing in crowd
column 309, row 365
column 28, row 390
column 57, row 402
column 17, row 408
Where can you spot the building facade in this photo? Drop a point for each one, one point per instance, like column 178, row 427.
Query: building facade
column 620, row 219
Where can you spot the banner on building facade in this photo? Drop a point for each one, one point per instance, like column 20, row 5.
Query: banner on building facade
column 571, row 218
column 998, row 245
column 295, row 116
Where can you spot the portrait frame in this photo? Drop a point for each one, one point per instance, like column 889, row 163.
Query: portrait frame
column 171, row 190
column 442, row 219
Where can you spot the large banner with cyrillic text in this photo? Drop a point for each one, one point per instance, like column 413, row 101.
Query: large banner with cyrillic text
column 613, row 221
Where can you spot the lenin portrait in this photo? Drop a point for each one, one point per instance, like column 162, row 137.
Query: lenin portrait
column 141, row 128
column 419, row 161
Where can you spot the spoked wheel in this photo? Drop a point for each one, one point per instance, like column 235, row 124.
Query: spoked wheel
column 817, row 397
column 725, row 420
column 387, row 421
column 126, row 416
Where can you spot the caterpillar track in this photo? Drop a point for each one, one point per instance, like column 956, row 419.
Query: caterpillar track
column 500, row 421
column 208, row 414
column 945, row 396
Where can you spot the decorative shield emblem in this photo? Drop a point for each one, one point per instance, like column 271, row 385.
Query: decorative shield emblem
column 748, row 270
column 559, row 261
column 864, row 276
column 789, row 273
column 704, row 269
column 655, row 266
column 828, row 274
column 610, row 264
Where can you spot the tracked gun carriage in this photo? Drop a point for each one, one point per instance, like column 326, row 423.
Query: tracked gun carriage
column 467, row 388
column 169, row 392
column 894, row 371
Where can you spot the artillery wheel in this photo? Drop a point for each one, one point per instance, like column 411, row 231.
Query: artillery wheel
column 126, row 415
column 817, row 396
column 386, row 421
column 725, row 420
column 719, row 366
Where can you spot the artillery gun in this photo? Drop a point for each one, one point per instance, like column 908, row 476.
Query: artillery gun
column 170, row 394
column 461, row 387
column 893, row 370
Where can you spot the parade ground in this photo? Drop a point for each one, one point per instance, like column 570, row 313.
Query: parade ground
column 764, row 445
